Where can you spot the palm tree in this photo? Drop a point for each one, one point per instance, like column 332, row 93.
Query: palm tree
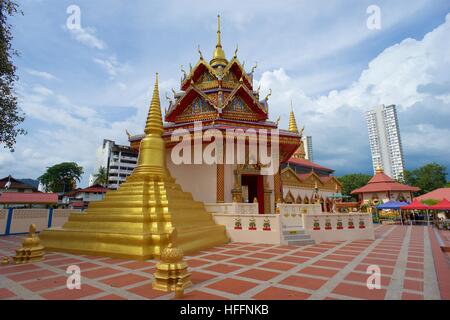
column 101, row 177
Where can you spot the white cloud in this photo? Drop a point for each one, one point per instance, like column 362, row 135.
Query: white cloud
column 87, row 37
column 398, row 75
column 43, row 91
column 41, row 74
column 112, row 66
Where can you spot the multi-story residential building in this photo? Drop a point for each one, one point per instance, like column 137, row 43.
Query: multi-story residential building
column 307, row 142
column 384, row 140
column 118, row 160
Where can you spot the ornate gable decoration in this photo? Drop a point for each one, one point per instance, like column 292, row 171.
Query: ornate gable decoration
column 222, row 83
column 198, row 106
column 290, row 178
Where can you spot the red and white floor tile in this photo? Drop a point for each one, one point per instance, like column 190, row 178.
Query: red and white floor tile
column 411, row 263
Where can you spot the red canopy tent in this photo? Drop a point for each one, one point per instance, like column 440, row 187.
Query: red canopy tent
column 416, row 205
column 443, row 205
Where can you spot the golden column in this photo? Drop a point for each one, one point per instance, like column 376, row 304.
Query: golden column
column 267, row 192
column 277, row 187
column 136, row 220
column 220, row 197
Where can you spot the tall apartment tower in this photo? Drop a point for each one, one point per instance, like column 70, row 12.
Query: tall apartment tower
column 384, row 140
column 119, row 162
column 307, row 141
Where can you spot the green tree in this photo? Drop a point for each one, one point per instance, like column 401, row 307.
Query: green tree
column 101, row 177
column 428, row 178
column 10, row 115
column 61, row 177
column 353, row 181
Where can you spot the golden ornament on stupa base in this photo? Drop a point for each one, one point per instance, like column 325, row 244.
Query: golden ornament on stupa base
column 32, row 250
column 5, row 261
column 172, row 272
column 134, row 222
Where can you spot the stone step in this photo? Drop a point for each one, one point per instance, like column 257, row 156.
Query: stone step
column 293, row 232
column 297, row 237
column 301, row 242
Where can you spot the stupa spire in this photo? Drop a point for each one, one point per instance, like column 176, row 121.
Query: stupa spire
column 292, row 123
column 219, row 55
column 300, row 153
column 154, row 119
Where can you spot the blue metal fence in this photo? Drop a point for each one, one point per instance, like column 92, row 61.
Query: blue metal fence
column 9, row 218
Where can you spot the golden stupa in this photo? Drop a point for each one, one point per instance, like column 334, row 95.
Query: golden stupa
column 31, row 250
column 172, row 272
column 136, row 220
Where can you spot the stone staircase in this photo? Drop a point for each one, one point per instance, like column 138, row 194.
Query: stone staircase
column 296, row 236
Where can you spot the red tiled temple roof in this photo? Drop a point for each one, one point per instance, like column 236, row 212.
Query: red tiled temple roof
column 28, row 198
column 307, row 163
column 381, row 182
column 438, row 194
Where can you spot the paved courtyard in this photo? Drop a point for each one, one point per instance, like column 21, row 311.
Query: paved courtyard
column 411, row 261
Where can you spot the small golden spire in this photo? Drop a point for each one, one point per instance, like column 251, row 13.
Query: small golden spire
column 218, row 31
column 154, row 119
column 292, row 123
column 379, row 169
column 219, row 54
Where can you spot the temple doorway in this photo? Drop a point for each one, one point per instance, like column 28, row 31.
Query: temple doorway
column 254, row 188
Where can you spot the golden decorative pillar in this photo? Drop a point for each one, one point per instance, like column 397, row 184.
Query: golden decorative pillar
column 267, row 192
column 220, row 182
column 135, row 221
column 236, row 192
column 32, row 250
column 277, row 186
column 172, row 272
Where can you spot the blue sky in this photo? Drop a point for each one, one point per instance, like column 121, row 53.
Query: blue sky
column 78, row 88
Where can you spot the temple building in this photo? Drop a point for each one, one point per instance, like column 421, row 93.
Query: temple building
column 304, row 181
column 382, row 188
column 219, row 96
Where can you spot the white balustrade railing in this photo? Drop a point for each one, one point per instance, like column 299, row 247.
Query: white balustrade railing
column 232, row 208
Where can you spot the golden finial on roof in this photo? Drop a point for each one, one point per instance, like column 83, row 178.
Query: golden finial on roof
column 254, row 68
column 268, row 95
column 278, row 120
column 184, row 72
column 236, row 51
column 154, row 119
column 292, row 123
column 219, row 54
column 128, row 133
column 200, row 52
column 379, row 169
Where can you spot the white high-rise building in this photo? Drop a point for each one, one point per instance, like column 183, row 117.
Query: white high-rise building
column 384, row 140
column 118, row 160
column 307, row 142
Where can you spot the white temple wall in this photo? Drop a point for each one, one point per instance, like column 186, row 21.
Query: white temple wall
column 228, row 182
column 198, row 179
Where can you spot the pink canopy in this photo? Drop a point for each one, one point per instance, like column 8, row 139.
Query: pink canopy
column 443, row 205
column 415, row 205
